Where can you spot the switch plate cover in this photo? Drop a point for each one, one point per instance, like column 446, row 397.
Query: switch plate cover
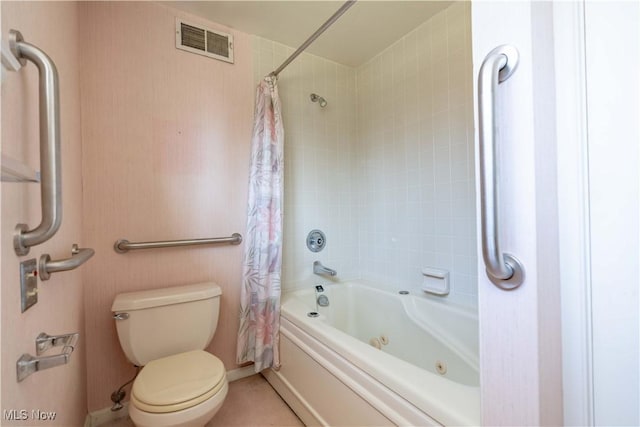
column 28, row 283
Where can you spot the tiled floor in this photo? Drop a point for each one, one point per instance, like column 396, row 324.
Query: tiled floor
column 251, row 402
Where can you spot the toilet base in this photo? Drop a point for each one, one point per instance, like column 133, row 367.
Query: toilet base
column 196, row 416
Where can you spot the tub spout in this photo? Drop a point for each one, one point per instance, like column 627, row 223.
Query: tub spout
column 318, row 268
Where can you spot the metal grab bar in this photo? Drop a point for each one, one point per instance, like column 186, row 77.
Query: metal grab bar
column 79, row 257
column 504, row 270
column 123, row 246
column 51, row 183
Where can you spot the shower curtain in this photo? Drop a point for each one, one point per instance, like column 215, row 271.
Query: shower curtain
column 259, row 330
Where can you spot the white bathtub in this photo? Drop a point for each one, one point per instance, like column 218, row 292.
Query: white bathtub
column 332, row 375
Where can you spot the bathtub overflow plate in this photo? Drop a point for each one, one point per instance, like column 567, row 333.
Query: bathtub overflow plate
column 323, row 301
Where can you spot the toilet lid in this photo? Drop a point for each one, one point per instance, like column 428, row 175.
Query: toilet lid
column 173, row 382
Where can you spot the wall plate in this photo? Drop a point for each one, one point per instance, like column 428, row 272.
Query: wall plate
column 316, row 240
column 28, row 283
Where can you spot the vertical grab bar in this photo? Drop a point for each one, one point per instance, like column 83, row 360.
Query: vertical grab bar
column 504, row 270
column 51, row 182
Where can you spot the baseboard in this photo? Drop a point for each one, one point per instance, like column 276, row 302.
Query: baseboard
column 105, row 415
column 238, row 374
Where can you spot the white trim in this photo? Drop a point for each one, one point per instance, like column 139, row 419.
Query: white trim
column 240, row 373
column 612, row 42
column 106, row 415
column 573, row 213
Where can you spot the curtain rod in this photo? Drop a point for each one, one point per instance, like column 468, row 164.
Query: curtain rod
column 314, row 36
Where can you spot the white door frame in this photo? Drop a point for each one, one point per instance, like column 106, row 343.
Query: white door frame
column 573, row 208
column 570, row 123
column 597, row 65
column 520, row 340
column 612, row 67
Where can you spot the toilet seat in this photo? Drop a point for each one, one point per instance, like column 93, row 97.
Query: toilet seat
column 178, row 382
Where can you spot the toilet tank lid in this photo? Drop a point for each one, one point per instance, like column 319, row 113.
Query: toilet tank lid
column 165, row 296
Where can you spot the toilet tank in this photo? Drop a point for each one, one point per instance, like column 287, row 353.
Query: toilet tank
column 162, row 322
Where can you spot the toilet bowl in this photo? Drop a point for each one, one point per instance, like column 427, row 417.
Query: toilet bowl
column 166, row 331
column 186, row 389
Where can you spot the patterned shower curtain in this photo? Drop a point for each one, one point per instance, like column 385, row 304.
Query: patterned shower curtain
column 259, row 330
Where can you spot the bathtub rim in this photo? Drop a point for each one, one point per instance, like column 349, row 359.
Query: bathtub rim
column 387, row 402
column 435, row 400
column 410, row 304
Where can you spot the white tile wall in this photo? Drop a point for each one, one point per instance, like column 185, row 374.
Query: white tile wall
column 319, row 145
column 386, row 169
column 414, row 153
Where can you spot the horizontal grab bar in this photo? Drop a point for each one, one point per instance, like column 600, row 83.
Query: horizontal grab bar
column 50, row 168
column 78, row 257
column 123, row 246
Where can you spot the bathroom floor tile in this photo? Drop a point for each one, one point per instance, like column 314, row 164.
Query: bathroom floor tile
column 251, row 402
column 122, row 422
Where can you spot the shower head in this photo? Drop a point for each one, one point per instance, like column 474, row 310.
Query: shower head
column 319, row 99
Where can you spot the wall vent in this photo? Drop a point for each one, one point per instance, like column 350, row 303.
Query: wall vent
column 195, row 38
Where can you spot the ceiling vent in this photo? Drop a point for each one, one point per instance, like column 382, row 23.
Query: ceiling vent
column 195, row 38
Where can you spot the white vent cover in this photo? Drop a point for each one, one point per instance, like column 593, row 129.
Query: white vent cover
column 195, row 38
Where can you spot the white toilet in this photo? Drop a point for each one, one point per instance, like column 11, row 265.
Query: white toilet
column 166, row 331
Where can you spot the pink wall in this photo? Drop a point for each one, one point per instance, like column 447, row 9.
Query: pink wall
column 166, row 137
column 53, row 27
